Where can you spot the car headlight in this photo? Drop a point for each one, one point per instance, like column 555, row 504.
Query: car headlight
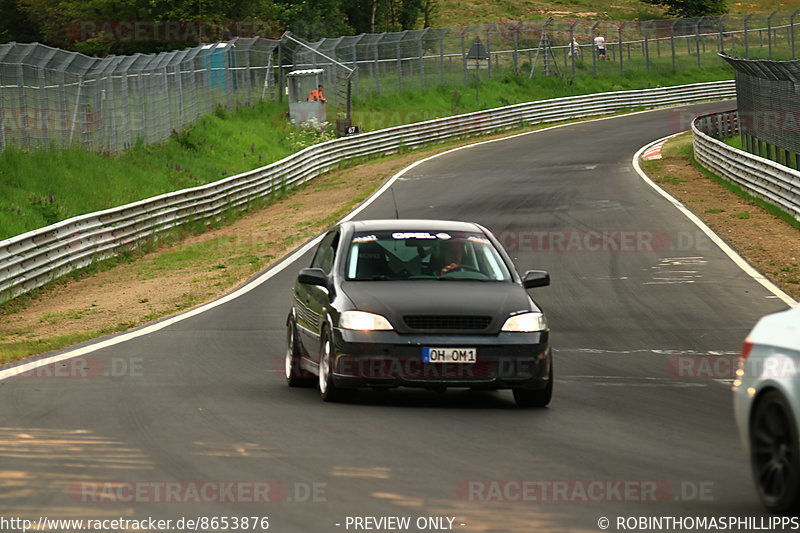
column 363, row 321
column 526, row 322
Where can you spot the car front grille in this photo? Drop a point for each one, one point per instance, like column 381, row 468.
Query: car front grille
column 447, row 322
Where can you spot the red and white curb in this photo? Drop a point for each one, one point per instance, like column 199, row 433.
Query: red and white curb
column 654, row 152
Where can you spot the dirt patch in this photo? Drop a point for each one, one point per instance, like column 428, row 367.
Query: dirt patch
column 768, row 243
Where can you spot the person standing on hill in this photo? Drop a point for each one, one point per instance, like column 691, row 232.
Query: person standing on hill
column 600, row 45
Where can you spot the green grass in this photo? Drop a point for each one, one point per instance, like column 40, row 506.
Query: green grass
column 742, row 193
column 38, row 188
column 17, row 350
column 671, row 180
column 463, row 12
column 715, row 211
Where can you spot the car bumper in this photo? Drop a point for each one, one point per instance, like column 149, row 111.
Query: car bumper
column 389, row 359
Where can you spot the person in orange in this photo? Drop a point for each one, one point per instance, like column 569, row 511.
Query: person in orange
column 317, row 96
column 452, row 253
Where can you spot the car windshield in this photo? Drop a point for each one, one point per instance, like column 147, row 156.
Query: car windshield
column 411, row 255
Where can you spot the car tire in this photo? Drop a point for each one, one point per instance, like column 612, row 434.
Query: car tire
column 535, row 397
column 775, row 454
column 328, row 390
column 295, row 375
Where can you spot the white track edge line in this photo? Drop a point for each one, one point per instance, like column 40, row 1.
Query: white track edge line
column 716, row 239
column 124, row 337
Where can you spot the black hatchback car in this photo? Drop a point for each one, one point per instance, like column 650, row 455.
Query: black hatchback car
column 417, row 303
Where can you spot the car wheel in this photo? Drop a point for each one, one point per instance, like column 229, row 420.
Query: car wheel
column 774, row 453
column 327, row 388
column 535, row 397
column 295, row 375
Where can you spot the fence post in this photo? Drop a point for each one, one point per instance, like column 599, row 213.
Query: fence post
column 672, row 41
column 23, row 107
column 399, row 67
column 746, row 37
column 126, row 125
column 621, row 51
column 722, row 33
column 45, row 112
column 489, row 48
column 594, row 52
column 646, row 47
column 697, row 39
column 791, row 25
column 441, row 55
column 110, row 106
column 422, row 58
column 464, row 53
column 378, row 64
column 3, row 115
column 571, row 47
column 280, row 71
column 516, row 46
column 769, row 32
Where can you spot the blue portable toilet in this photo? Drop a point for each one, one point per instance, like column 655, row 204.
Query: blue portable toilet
column 216, row 60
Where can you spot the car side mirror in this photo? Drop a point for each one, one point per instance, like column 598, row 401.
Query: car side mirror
column 535, row 278
column 313, row 276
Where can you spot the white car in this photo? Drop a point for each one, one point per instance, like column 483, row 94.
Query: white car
column 767, row 408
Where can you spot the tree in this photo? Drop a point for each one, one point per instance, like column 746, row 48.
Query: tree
column 691, row 8
column 430, row 8
column 15, row 25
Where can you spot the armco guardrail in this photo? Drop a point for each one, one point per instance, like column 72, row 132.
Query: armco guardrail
column 32, row 259
column 766, row 179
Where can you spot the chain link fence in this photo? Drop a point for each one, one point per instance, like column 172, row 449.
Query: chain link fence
column 768, row 98
column 50, row 97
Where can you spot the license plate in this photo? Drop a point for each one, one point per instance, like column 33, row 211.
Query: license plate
column 448, row 355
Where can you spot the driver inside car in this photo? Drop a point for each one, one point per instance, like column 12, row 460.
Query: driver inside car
column 451, row 256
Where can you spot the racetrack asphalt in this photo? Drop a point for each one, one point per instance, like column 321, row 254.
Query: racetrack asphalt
column 641, row 301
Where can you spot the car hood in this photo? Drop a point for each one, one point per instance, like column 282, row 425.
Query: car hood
column 396, row 299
